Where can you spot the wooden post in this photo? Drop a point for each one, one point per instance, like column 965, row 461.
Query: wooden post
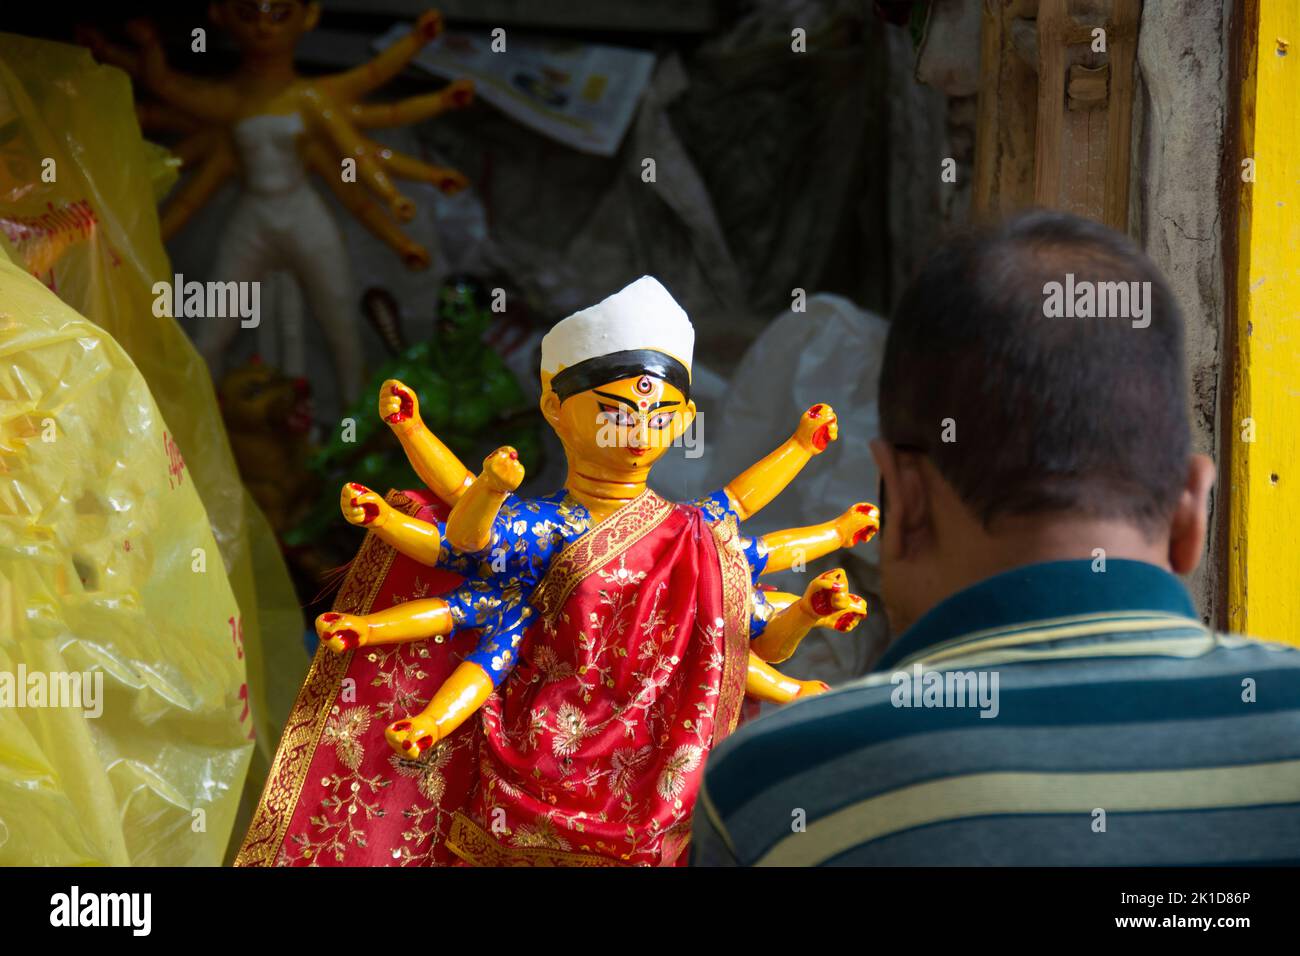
column 1127, row 14
column 1263, row 439
column 1056, row 107
column 1004, row 129
column 1049, row 146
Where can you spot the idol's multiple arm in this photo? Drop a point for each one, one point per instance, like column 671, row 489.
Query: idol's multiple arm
column 205, row 110
column 469, row 526
column 826, row 603
column 476, row 503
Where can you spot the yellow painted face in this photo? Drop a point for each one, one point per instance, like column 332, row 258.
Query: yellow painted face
column 620, row 429
column 266, row 26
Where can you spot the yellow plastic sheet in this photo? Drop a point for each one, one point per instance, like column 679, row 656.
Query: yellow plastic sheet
column 78, row 187
column 102, row 535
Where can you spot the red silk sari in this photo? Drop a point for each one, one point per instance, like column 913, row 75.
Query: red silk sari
column 589, row 753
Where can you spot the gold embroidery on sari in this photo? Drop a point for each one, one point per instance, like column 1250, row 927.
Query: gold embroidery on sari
column 316, row 720
column 596, row 548
column 737, row 604
column 313, row 706
column 475, row 846
column 554, row 834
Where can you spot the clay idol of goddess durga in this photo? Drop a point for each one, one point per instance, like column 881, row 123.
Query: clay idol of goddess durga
column 537, row 681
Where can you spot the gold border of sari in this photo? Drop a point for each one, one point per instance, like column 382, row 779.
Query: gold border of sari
column 595, row 548
column 475, row 846
column 737, row 609
column 614, row 536
column 311, row 709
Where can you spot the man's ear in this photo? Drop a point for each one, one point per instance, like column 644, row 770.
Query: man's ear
column 311, row 17
column 886, row 459
column 905, row 516
column 1188, row 528
column 550, row 406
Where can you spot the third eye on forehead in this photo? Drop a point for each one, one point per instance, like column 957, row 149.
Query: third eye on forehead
column 252, row 9
column 633, row 402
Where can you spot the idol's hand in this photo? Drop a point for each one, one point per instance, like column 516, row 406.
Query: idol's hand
column 414, row 256
column 829, row 601
column 459, row 93
column 429, row 26
column 470, row 523
column 153, row 63
column 452, row 182
column 858, row 525
column 398, row 406
column 763, row 682
column 341, row 632
column 412, row 736
column 502, row 471
column 817, row 428
column 811, row 688
column 458, row 699
column 144, row 34
column 363, row 507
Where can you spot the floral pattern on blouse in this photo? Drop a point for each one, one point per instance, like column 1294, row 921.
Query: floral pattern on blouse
column 527, row 535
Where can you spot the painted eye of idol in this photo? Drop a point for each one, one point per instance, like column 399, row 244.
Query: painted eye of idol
column 617, row 415
column 627, row 411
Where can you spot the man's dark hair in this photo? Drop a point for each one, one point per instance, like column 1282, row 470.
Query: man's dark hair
column 1052, row 414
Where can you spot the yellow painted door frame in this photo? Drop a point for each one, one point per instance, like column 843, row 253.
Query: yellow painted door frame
column 1263, row 439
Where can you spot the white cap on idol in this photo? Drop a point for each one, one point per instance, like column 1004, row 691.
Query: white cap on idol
column 641, row 317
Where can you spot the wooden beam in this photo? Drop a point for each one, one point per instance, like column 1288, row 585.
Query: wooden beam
column 1049, row 149
column 1056, row 108
column 1263, row 498
column 1121, row 38
column 1004, row 130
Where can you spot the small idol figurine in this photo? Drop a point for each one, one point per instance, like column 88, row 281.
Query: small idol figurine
column 619, row 632
column 273, row 128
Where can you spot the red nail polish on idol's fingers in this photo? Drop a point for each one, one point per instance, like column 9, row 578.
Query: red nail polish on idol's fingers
column 846, row 622
column 822, row 436
column 868, row 532
column 406, row 407
column 821, row 602
column 431, row 26
column 369, row 509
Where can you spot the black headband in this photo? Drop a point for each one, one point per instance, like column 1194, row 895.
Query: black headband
column 604, row 369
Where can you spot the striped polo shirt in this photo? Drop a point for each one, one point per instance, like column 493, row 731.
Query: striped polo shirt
column 1051, row 715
